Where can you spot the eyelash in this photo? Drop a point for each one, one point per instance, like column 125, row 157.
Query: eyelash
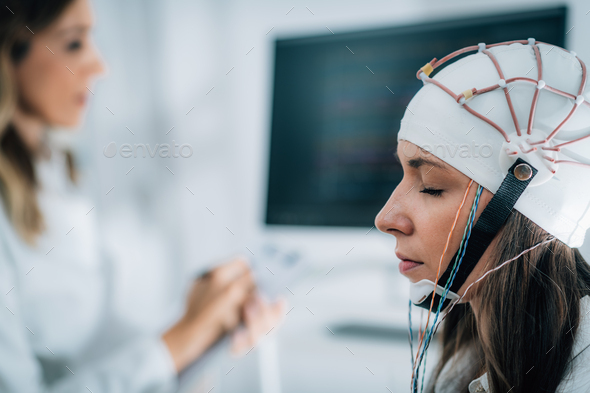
column 432, row 191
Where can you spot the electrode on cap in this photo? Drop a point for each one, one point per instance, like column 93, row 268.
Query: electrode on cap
column 531, row 41
column 482, row 46
column 467, row 94
column 502, row 83
column 540, row 84
column 579, row 100
column 427, row 69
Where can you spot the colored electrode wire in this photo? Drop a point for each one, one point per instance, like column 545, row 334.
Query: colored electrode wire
column 440, row 263
column 459, row 256
column 411, row 334
column 461, row 245
column 462, row 249
column 483, row 276
column 421, row 320
column 457, row 263
column 493, row 270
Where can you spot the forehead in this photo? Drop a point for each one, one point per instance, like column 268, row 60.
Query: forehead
column 77, row 16
column 417, row 161
column 407, row 151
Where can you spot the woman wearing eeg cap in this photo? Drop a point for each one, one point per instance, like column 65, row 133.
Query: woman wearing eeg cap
column 489, row 241
column 68, row 324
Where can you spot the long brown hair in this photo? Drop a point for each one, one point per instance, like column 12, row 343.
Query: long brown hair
column 18, row 181
column 528, row 315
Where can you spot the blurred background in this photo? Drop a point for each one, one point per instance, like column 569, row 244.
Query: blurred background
column 289, row 111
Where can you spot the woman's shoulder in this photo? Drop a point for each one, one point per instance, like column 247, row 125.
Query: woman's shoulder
column 456, row 373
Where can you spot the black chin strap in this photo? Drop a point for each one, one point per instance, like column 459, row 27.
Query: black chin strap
column 489, row 223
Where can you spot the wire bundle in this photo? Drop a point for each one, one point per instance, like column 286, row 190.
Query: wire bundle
column 462, row 248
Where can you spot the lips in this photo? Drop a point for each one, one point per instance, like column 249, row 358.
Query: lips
column 403, row 257
column 406, row 264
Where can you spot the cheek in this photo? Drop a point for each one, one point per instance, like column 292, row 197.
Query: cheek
column 434, row 229
column 48, row 88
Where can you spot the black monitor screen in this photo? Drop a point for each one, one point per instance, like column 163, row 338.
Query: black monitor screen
column 337, row 104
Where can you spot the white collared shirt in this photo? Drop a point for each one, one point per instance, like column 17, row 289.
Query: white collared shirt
column 73, row 321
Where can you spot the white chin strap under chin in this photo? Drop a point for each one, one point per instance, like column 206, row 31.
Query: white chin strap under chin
column 489, row 223
column 422, row 290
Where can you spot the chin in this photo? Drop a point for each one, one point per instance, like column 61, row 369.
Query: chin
column 69, row 122
column 419, row 274
column 414, row 278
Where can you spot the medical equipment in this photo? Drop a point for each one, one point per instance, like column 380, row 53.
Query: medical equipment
column 525, row 169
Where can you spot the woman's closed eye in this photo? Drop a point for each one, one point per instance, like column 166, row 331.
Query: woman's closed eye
column 432, row 191
column 74, row 45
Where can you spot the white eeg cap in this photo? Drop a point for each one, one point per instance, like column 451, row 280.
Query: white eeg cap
column 558, row 198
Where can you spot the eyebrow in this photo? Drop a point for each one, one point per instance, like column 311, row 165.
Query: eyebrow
column 418, row 162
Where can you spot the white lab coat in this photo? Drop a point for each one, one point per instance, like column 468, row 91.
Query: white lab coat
column 62, row 327
column 577, row 380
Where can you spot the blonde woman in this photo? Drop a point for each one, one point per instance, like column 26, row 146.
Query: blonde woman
column 59, row 331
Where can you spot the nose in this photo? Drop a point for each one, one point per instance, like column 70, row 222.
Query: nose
column 96, row 65
column 393, row 218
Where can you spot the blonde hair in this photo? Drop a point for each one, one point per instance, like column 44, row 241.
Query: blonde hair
column 16, row 187
column 18, row 183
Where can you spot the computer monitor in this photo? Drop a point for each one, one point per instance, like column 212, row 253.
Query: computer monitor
column 337, row 104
